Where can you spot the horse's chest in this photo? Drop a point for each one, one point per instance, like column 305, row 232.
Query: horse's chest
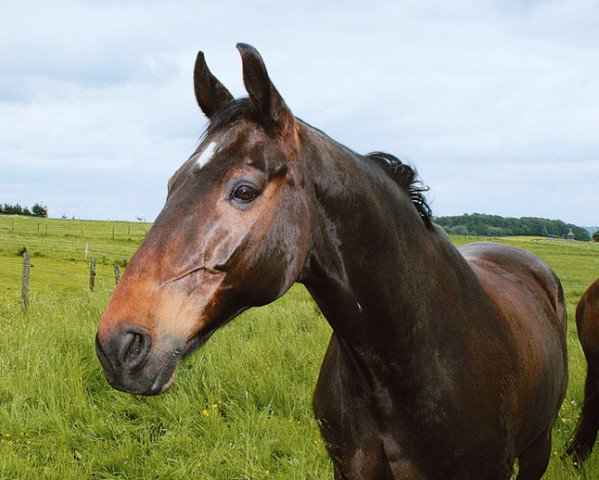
column 367, row 436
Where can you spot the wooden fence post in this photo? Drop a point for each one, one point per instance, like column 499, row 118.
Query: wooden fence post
column 25, row 284
column 117, row 273
column 92, row 274
column 113, row 233
column 86, row 249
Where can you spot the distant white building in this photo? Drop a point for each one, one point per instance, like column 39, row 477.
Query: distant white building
column 570, row 236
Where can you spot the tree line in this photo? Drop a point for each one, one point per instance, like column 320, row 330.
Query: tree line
column 497, row 226
column 38, row 210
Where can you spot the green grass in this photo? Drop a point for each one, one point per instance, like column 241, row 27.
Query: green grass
column 240, row 407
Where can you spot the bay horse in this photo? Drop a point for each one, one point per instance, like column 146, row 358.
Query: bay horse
column 587, row 323
column 444, row 363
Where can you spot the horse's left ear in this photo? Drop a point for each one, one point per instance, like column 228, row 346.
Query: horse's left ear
column 260, row 88
column 210, row 93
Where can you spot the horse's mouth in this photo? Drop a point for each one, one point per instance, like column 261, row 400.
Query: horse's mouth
column 165, row 377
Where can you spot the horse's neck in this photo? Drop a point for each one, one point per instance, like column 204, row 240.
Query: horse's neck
column 376, row 271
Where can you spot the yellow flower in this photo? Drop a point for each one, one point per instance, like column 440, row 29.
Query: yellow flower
column 206, row 413
column 214, row 406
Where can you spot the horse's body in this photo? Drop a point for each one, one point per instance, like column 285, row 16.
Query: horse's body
column 443, row 364
column 587, row 323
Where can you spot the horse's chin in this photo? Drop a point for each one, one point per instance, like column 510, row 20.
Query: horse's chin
column 148, row 384
column 164, row 379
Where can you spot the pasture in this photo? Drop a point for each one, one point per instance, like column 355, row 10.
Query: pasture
column 240, row 407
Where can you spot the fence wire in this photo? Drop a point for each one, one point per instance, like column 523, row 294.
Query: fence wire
column 60, row 260
column 33, row 298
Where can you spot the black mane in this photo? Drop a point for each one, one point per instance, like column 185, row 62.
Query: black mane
column 407, row 178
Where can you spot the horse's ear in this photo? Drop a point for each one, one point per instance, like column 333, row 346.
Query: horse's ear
column 260, row 88
column 210, row 93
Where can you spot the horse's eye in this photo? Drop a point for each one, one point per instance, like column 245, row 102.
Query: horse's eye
column 244, row 193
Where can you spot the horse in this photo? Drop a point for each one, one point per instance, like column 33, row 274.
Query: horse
column 587, row 323
column 444, row 363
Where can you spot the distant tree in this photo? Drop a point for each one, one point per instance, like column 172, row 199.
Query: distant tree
column 39, row 210
column 458, row 230
column 596, row 236
column 494, row 225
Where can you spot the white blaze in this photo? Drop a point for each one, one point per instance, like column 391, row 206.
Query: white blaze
column 206, row 155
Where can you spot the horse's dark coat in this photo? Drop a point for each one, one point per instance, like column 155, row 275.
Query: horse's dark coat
column 587, row 323
column 444, row 363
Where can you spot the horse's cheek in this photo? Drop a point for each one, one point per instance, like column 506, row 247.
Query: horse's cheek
column 286, row 248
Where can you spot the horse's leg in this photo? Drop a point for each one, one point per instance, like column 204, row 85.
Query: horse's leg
column 588, row 425
column 534, row 460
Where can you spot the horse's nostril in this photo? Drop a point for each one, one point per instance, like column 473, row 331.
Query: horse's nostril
column 135, row 347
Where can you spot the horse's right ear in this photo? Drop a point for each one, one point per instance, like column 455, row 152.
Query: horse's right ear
column 260, row 88
column 210, row 93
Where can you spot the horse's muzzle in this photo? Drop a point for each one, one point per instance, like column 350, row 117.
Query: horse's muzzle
column 132, row 365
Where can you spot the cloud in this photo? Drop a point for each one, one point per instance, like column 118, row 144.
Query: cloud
column 481, row 96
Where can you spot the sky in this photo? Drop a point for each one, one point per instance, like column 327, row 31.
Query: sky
column 496, row 103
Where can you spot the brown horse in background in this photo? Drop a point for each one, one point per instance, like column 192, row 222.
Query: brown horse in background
column 587, row 323
column 444, row 363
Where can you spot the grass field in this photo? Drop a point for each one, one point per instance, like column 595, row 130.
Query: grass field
column 240, row 408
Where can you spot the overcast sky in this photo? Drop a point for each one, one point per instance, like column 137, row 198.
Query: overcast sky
column 496, row 103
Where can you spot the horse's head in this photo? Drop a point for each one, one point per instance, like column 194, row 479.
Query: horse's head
column 234, row 233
